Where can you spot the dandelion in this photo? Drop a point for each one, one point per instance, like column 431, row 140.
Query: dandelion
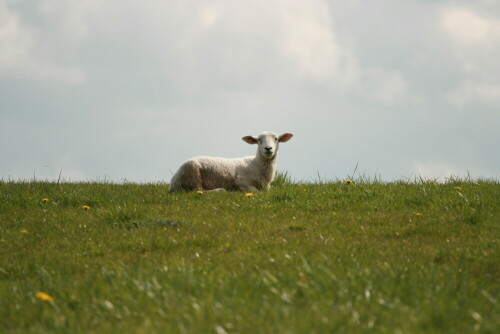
column 24, row 231
column 248, row 195
column 457, row 188
column 418, row 214
column 199, row 192
column 45, row 200
column 348, row 182
column 44, row 297
column 86, row 207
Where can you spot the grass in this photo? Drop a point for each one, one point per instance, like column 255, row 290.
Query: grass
column 331, row 257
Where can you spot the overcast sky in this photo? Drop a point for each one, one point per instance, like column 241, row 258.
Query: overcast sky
column 128, row 90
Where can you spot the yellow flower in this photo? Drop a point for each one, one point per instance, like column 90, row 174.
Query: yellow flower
column 44, row 297
column 457, row 188
column 199, row 192
column 45, row 200
column 86, row 207
column 248, row 195
column 348, row 182
column 418, row 214
column 24, row 231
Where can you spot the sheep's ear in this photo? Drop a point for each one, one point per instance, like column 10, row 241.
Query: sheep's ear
column 250, row 139
column 285, row 137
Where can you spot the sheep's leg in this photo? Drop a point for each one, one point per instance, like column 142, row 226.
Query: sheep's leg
column 198, row 179
column 244, row 185
column 249, row 189
column 189, row 177
column 218, row 189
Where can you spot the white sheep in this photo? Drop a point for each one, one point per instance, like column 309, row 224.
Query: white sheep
column 247, row 174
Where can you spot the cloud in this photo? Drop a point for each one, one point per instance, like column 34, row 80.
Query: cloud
column 441, row 169
column 468, row 28
column 208, row 16
column 62, row 169
column 475, row 39
column 278, row 43
column 473, row 94
column 436, row 169
column 201, row 46
column 161, row 81
column 306, row 36
column 69, row 20
column 385, row 87
column 23, row 52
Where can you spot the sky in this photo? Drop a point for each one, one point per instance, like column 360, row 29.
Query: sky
column 126, row 90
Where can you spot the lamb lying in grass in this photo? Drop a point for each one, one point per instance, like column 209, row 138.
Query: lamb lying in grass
column 247, row 174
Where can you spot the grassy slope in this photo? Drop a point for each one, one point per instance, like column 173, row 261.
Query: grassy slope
column 368, row 257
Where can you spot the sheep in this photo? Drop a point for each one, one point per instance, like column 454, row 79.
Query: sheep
column 248, row 174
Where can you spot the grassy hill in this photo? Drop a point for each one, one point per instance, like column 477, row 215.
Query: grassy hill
column 366, row 257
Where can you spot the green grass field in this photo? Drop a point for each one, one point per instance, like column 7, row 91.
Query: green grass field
column 367, row 257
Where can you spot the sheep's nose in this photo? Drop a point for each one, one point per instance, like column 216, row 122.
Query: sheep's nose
column 268, row 148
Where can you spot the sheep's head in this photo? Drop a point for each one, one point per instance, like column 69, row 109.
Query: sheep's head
column 268, row 143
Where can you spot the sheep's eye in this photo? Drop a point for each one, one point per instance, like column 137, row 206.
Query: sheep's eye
column 275, row 138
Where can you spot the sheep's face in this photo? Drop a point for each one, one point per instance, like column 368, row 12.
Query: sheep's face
column 268, row 143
